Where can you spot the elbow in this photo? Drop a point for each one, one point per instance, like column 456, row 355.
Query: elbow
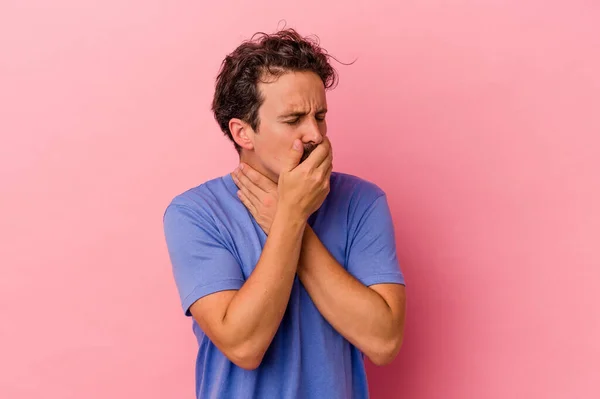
column 382, row 359
column 386, row 352
column 246, row 363
column 246, row 357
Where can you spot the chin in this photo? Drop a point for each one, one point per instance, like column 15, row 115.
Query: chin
column 272, row 172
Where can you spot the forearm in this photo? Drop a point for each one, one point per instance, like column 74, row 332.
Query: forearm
column 357, row 312
column 255, row 312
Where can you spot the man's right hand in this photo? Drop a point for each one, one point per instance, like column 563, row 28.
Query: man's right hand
column 302, row 188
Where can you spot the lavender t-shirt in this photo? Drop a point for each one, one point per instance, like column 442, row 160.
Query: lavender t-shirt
column 214, row 244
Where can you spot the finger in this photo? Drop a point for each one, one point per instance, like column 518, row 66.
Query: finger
column 247, row 203
column 249, row 184
column 244, row 185
column 327, row 162
column 327, row 168
column 261, row 181
column 294, row 155
column 319, row 155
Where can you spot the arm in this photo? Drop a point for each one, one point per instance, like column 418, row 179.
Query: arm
column 357, row 303
column 371, row 318
column 242, row 317
column 243, row 323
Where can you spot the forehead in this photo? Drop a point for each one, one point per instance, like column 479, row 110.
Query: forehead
column 296, row 91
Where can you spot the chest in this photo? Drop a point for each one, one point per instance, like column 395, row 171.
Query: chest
column 248, row 242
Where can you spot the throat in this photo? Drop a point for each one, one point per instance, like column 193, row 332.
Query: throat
column 259, row 167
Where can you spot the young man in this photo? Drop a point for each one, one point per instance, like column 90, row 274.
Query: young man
column 288, row 269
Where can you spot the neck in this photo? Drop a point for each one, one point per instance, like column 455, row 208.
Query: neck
column 254, row 163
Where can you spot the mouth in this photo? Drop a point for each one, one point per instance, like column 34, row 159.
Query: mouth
column 308, row 148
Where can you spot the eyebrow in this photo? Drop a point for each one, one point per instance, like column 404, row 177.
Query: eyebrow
column 298, row 114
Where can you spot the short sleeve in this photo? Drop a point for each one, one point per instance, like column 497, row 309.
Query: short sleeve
column 372, row 255
column 201, row 263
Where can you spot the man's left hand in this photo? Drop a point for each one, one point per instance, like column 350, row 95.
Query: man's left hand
column 258, row 193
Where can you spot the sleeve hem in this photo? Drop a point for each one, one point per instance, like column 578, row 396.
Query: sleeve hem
column 204, row 290
column 384, row 278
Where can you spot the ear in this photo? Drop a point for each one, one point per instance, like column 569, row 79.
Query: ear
column 242, row 133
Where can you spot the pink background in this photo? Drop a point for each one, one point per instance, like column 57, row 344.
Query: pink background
column 480, row 119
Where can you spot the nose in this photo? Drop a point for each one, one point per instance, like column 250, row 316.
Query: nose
column 313, row 133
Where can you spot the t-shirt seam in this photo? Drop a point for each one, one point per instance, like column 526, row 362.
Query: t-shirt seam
column 202, row 217
column 362, row 217
column 183, row 207
column 383, row 275
column 375, row 277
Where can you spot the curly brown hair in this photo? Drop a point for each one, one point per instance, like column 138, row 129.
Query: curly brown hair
column 264, row 55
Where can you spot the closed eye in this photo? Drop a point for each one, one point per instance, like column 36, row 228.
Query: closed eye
column 293, row 121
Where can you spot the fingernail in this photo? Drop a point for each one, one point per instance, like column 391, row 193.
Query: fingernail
column 241, row 166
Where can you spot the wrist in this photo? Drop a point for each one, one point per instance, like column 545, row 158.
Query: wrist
column 290, row 218
column 290, row 213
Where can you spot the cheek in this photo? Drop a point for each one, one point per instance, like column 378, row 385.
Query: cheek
column 280, row 147
column 271, row 145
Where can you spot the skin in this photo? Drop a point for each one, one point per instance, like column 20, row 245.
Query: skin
column 295, row 107
column 281, row 193
column 371, row 318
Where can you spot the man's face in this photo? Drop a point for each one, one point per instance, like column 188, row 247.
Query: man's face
column 294, row 107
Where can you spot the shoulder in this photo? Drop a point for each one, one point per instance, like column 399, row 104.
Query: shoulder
column 359, row 200
column 200, row 201
column 356, row 190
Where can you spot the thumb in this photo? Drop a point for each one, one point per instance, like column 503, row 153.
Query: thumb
column 294, row 155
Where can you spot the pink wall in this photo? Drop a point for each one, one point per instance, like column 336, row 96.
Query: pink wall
column 481, row 121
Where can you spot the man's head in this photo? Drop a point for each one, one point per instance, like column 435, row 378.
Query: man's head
column 271, row 91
